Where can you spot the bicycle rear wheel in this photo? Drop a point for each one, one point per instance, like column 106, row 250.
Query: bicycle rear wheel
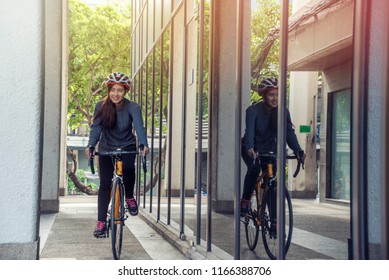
column 117, row 218
column 269, row 234
column 251, row 223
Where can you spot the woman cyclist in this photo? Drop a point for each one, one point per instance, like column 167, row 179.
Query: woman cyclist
column 112, row 127
column 261, row 137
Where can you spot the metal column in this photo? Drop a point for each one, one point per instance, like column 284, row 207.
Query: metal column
column 211, row 80
column 183, row 138
column 281, row 129
column 200, row 124
column 238, row 120
column 359, row 127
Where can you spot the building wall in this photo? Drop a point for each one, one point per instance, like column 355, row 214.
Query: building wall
column 64, row 104
column 376, row 91
column 303, row 89
column 384, row 161
column 317, row 43
column 22, row 85
column 225, row 100
column 338, row 78
column 184, row 63
column 191, row 93
column 321, row 43
column 53, row 99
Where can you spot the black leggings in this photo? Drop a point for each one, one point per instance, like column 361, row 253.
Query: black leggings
column 253, row 169
column 106, row 168
column 252, row 173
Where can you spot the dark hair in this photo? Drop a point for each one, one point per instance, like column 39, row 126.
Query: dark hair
column 107, row 112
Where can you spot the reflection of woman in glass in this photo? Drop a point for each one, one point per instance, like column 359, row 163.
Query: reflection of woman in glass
column 112, row 128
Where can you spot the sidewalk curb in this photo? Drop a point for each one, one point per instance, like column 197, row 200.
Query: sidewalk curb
column 171, row 235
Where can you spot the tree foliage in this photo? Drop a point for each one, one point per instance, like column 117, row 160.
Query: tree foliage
column 99, row 43
column 265, row 50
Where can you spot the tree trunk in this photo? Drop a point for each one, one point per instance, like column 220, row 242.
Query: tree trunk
column 73, row 176
column 154, row 180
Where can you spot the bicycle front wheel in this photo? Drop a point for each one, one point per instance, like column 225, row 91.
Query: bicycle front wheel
column 251, row 225
column 117, row 218
column 269, row 230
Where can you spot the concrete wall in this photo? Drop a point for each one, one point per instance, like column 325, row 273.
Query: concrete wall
column 303, row 88
column 376, row 92
column 64, row 104
column 225, row 100
column 189, row 69
column 52, row 115
column 191, row 100
column 178, row 65
column 22, row 86
column 319, row 43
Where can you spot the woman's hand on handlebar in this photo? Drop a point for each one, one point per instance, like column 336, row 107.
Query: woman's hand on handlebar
column 251, row 152
column 88, row 152
column 145, row 151
column 301, row 157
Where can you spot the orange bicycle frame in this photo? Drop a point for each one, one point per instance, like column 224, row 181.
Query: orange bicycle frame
column 268, row 173
column 119, row 171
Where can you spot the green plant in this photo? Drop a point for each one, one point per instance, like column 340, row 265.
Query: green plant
column 72, row 189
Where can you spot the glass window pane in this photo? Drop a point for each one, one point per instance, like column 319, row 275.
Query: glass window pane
column 136, row 47
column 203, row 77
column 144, row 35
column 156, row 122
column 158, row 18
column 167, row 6
column 150, row 27
column 148, row 126
column 340, row 173
column 176, row 3
column 165, row 113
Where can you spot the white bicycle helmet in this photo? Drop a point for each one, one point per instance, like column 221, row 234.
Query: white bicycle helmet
column 118, row 78
column 267, row 84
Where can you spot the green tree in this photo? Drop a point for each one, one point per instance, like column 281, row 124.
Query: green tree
column 99, row 43
column 265, row 25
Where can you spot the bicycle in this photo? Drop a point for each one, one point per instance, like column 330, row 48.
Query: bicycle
column 263, row 208
column 117, row 211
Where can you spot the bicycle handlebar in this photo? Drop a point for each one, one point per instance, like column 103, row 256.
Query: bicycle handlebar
column 299, row 163
column 118, row 152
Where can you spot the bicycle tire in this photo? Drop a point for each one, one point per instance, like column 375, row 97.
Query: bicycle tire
column 251, row 223
column 270, row 241
column 117, row 218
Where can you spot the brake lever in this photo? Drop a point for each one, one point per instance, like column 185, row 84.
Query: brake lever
column 91, row 160
column 144, row 164
column 143, row 160
column 297, row 170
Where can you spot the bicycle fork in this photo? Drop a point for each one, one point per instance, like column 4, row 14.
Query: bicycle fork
column 260, row 192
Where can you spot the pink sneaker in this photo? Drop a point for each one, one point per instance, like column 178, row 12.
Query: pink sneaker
column 244, row 207
column 100, row 230
column 132, row 206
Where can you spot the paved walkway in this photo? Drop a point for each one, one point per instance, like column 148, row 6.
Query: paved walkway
column 320, row 231
column 68, row 235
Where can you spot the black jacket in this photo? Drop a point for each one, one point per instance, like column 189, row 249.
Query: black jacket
column 121, row 135
column 261, row 130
